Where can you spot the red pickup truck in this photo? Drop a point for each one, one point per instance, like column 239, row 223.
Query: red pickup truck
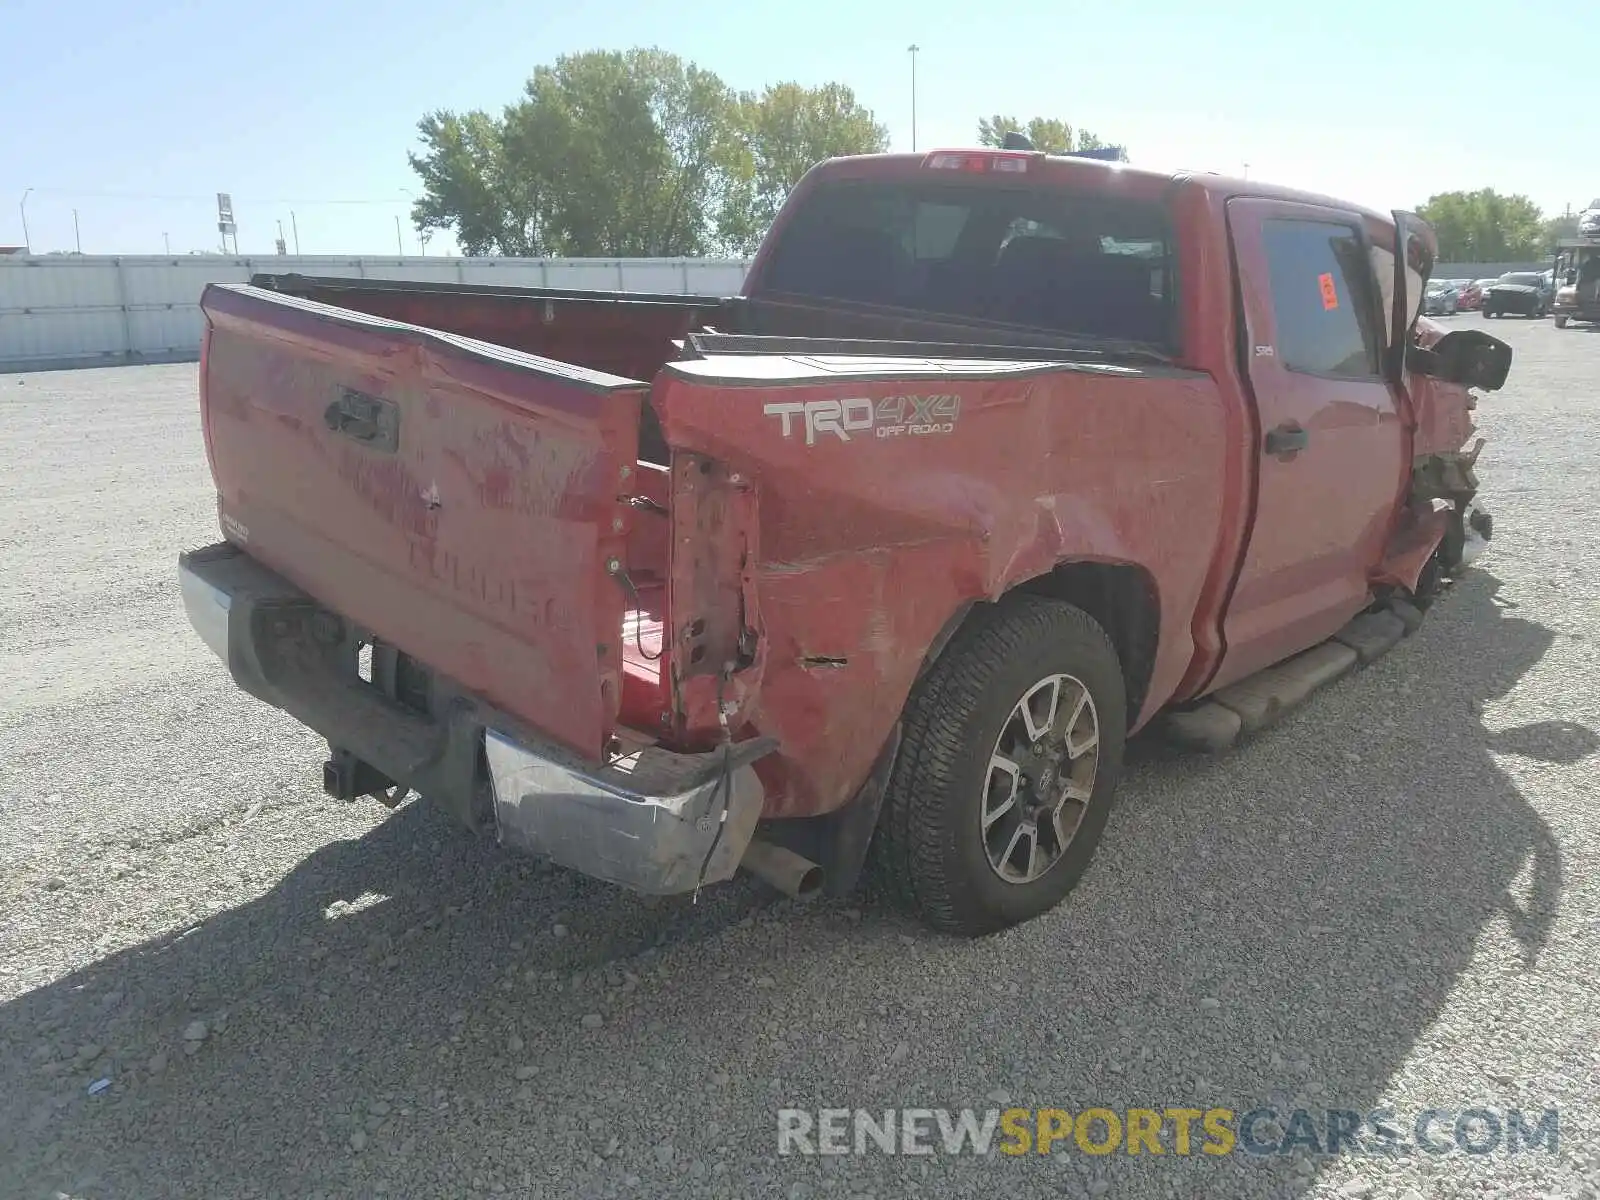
column 997, row 457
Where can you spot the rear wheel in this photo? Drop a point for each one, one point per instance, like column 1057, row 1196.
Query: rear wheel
column 1561, row 320
column 1487, row 313
column 1012, row 750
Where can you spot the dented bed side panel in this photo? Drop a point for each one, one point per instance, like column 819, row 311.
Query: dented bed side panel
column 873, row 526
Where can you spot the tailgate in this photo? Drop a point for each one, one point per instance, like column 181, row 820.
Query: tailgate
column 458, row 500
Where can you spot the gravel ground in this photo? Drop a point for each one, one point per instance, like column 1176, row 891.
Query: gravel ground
column 1388, row 900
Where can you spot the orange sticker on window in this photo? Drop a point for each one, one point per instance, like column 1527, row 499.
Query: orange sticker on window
column 1330, row 294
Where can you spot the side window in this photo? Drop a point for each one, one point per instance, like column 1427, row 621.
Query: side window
column 1321, row 280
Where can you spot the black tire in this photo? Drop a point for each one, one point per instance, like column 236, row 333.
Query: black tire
column 1561, row 320
column 929, row 851
column 1428, row 584
column 1451, row 547
column 1487, row 313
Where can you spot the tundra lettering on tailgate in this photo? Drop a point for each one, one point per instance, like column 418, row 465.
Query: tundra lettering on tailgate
column 892, row 416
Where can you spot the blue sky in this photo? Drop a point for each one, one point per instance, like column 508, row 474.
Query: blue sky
column 137, row 114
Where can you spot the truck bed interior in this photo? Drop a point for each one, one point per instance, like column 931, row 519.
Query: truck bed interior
column 633, row 335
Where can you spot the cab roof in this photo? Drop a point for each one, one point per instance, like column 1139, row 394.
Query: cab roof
column 1083, row 172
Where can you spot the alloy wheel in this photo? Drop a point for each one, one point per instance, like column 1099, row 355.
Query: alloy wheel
column 1040, row 779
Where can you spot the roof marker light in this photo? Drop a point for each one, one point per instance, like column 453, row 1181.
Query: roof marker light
column 980, row 162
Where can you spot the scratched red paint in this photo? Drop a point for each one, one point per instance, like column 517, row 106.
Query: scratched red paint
column 847, row 557
column 895, row 534
column 511, row 599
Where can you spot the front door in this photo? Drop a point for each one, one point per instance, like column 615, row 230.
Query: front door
column 1330, row 433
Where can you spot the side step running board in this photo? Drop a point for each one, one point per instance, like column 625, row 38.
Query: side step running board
column 1252, row 704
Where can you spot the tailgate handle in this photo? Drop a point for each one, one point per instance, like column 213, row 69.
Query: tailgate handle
column 1287, row 439
column 370, row 420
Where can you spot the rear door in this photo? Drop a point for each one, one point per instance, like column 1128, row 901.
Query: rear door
column 1330, row 437
column 458, row 500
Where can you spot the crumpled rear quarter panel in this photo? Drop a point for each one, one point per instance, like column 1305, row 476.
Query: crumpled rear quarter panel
column 870, row 542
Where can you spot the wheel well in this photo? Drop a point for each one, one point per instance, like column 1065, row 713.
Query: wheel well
column 1123, row 600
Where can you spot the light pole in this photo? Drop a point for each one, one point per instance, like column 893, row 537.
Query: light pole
column 294, row 228
column 27, row 242
column 167, row 242
column 912, row 50
column 399, row 246
column 77, row 240
column 1247, row 170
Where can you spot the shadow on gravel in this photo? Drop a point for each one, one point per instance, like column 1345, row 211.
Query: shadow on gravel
column 367, row 948
column 1378, row 838
column 1388, row 869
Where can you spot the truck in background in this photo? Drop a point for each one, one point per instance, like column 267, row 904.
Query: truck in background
column 998, row 458
column 1577, row 274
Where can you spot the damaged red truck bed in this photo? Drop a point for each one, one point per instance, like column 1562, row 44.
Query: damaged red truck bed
column 996, row 457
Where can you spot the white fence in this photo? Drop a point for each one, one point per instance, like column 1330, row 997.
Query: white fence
column 101, row 310
column 1485, row 270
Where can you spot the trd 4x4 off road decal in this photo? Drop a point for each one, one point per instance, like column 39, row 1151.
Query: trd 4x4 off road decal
column 892, row 416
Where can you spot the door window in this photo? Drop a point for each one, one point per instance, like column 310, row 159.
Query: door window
column 1322, row 302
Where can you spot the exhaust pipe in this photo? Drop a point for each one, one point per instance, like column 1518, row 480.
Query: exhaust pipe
column 782, row 869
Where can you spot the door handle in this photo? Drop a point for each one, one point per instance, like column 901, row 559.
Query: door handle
column 1287, row 439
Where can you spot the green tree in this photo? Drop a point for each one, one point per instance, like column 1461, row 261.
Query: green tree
column 468, row 188
column 606, row 153
column 1046, row 133
column 1484, row 226
column 1556, row 228
column 782, row 133
column 634, row 153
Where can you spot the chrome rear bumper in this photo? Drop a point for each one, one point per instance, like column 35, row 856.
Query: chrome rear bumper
column 653, row 820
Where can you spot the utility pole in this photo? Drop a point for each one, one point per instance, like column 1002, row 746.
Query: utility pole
column 294, row 227
column 912, row 50
column 77, row 240
column 422, row 237
column 27, row 242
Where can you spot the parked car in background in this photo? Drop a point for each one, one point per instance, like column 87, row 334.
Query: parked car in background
column 1524, row 293
column 1472, row 295
column 1442, row 299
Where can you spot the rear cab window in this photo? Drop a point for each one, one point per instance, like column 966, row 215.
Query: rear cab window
column 1038, row 255
column 1324, row 298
